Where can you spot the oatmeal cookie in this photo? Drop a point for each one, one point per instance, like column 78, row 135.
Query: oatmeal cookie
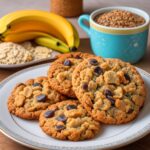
column 28, row 99
column 68, row 120
column 112, row 91
column 60, row 72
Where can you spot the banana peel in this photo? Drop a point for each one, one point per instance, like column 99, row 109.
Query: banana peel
column 58, row 25
column 53, row 44
column 46, row 28
column 21, row 37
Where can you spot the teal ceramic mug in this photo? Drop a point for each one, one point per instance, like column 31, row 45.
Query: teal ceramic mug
column 128, row 44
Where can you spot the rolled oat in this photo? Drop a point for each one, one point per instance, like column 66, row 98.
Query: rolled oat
column 12, row 53
column 41, row 52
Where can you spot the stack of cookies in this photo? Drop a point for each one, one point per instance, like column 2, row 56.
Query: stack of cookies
column 80, row 92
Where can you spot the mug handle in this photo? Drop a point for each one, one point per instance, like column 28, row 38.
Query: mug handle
column 81, row 23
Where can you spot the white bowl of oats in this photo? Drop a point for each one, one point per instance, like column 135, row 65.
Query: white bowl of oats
column 13, row 55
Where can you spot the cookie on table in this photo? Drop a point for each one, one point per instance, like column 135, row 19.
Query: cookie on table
column 68, row 120
column 111, row 90
column 28, row 99
column 60, row 72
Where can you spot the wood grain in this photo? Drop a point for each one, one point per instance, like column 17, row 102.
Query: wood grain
column 90, row 5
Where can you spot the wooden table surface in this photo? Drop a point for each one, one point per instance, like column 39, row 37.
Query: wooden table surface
column 90, row 5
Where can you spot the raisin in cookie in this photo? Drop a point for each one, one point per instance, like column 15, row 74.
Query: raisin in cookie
column 60, row 72
column 28, row 99
column 112, row 91
column 68, row 120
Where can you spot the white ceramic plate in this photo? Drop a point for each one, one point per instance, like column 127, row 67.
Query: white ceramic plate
column 29, row 133
column 14, row 66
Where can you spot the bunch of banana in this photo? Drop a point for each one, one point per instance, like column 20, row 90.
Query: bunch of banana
column 46, row 29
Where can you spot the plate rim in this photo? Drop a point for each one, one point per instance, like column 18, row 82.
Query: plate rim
column 19, row 139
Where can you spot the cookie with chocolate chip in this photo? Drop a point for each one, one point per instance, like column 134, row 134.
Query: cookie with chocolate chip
column 28, row 99
column 68, row 120
column 60, row 72
column 112, row 91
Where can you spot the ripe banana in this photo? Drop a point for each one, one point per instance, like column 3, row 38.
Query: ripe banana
column 32, row 25
column 53, row 44
column 23, row 36
column 58, row 26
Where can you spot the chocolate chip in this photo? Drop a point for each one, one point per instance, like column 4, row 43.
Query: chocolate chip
column 69, row 107
column 62, row 118
column 36, row 84
column 41, row 98
column 111, row 100
column 85, row 86
column 108, row 93
column 49, row 113
column 127, row 77
column 130, row 111
column 60, row 127
column 67, row 62
column 98, row 71
column 93, row 62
